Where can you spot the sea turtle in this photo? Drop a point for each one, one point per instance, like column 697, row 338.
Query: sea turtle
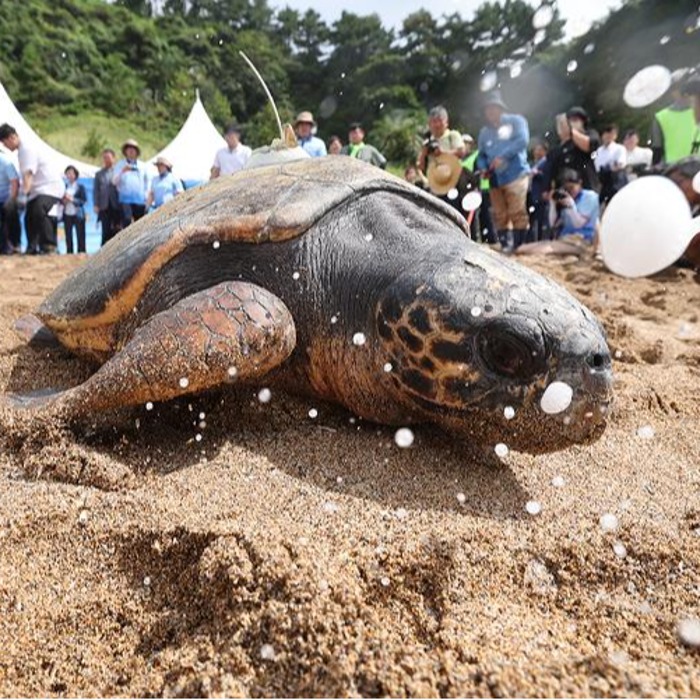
column 330, row 278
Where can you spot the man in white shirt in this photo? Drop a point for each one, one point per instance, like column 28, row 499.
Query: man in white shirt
column 610, row 162
column 638, row 158
column 233, row 157
column 42, row 188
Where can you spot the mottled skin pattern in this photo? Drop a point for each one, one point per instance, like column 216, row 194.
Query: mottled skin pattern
column 463, row 332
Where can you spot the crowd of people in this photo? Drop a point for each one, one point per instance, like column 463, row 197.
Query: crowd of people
column 519, row 194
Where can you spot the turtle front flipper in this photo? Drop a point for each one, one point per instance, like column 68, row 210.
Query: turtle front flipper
column 231, row 330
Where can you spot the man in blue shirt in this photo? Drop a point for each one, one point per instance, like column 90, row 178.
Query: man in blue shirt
column 131, row 181
column 304, row 127
column 503, row 159
column 9, row 188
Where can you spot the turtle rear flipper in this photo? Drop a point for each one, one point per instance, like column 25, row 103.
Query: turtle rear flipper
column 231, row 330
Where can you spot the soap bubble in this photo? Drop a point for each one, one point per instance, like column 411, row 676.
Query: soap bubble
column 404, row 437
column 646, row 86
column 501, row 449
column 533, row 507
column 509, row 412
column 556, row 398
column 488, row 81
column 471, row 201
column 543, row 16
column 359, row 339
column 264, row 395
column 571, row 66
column 608, row 522
column 689, row 632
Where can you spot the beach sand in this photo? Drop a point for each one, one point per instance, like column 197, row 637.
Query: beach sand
column 288, row 555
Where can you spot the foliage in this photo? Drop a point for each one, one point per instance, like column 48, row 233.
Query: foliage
column 137, row 63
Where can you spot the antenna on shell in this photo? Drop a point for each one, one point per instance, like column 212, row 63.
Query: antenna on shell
column 267, row 92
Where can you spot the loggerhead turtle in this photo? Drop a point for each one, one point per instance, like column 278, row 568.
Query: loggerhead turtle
column 331, row 278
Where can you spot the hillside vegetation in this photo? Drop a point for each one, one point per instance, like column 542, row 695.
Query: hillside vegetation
column 87, row 73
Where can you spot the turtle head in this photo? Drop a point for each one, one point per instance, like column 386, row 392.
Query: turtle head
column 490, row 350
column 282, row 150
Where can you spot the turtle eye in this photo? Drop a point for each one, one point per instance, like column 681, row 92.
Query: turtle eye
column 511, row 354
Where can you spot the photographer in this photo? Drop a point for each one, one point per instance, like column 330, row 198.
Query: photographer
column 441, row 140
column 131, row 181
column 574, row 214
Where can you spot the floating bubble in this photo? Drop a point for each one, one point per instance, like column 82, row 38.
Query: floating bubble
column 264, row 395
column 505, row 132
column 608, row 522
column 543, row 16
column 149, row 405
column 184, row 382
column 556, row 398
column 540, row 36
column 295, row 275
column 501, row 449
column 471, row 201
column 216, row 245
column 509, row 412
column 388, row 367
column 404, row 437
column 331, row 507
column 83, row 517
column 359, row 339
column 401, row 513
column 147, row 581
column 516, row 70
column 461, row 498
column 571, row 66
column 488, row 81
column 328, row 106
column 384, row 580
column 533, row 507
column 689, row 632
column 646, row 432
column 334, row 319
column 232, row 372
column 558, row 481
column 368, row 237
column 476, row 311
column 221, row 42
column 646, row 86
column 267, row 652
column 664, row 39
column 589, row 49
column 453, row 193
column 619, row 550
column 198, row 437
column 313, row 413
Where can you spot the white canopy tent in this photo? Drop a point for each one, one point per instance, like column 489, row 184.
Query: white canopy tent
column 11, row 115
column 192, row 151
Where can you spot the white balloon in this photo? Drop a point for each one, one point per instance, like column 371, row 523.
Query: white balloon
column 647, row 85
column 646, row 227
column 471, row 201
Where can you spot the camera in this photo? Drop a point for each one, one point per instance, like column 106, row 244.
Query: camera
column 431, row 143
column 559, row 195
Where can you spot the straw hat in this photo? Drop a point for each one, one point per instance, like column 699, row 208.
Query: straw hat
column 443, row 173
column 131, row 142
column 160, row 160
column 305, row 117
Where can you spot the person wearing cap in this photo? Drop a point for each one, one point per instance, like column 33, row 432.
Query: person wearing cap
column 232, row 157
column 131, row 181
column 304, row 126
column 503, row 143
column 164, row 186
column 40, row 190
column 574, row 215
column 577, row 143
column 674, row 129
column 357, row 148
column 106, row 197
